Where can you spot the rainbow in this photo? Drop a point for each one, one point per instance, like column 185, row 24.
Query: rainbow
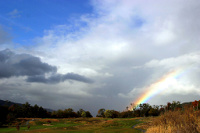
column 158, row 87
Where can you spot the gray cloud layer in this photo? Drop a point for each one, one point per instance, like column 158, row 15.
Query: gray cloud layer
column 58, row 78
column 12, row 64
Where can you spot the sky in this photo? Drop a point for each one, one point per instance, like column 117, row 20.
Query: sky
column 94, row 54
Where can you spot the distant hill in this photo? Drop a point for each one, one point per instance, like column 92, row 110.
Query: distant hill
column 49, row 110
column 9, row 103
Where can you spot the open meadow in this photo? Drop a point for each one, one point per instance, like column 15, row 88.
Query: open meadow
column 76, row 125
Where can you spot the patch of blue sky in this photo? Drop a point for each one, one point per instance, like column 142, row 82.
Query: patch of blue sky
column 138, row 22
column 36, row 16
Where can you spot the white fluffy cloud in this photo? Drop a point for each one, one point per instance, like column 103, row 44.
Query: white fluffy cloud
column 123, row 34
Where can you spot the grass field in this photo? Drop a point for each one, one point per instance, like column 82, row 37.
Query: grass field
column 77, row 125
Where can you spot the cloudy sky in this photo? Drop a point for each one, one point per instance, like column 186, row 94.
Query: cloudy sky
column 94, row 54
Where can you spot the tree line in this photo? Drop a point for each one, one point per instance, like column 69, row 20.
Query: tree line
column 10, row 113
column 146, row 110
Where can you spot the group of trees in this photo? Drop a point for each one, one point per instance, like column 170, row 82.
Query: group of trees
column 9, row 113
column 155, row 110
column 114, row 114
column 196, row 105
column 140, row 111
column 69, row 113
column 144, row 110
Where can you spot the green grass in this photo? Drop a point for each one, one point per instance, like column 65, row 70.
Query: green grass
column 80, row 125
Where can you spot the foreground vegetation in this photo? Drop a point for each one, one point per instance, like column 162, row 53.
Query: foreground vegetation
column 171, row 118
column 75, row 125
column 178, row 121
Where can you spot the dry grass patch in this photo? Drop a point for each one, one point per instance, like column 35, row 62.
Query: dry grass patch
column 49, row 120
column 176, row 122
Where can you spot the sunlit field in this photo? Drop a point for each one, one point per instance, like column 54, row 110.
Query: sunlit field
column 76, row 125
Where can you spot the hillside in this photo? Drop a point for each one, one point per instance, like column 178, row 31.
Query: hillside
column 9, row 103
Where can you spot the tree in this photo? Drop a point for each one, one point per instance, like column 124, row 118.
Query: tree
column 108, row 113
column 11, row 113
column 162, row 110
column 83, row 114
column 168, row 107
column 144, row 109
column 3, row 114
column 35, row 109
column 101, row 113
column 79, row 113
column 111, row 114
column 153, row 112
column 126, row 114
column 42, row 113
column 137, row 113
column 59, row 113
column 67, row 113
column 196, row 104
column 175, row 105
column 26, row 108
column 88, row 114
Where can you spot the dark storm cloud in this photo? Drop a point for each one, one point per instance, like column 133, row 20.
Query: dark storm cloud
column 12, row 64
column 59, row 78
column 33, row 66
